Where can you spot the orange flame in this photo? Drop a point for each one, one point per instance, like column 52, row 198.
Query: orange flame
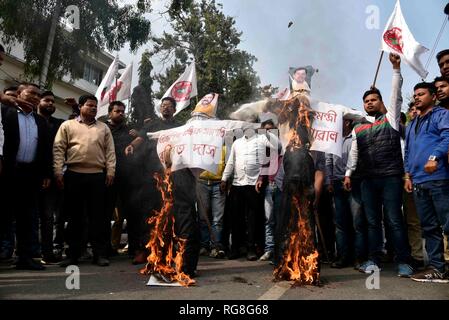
column 163, row 241
column 300, row 260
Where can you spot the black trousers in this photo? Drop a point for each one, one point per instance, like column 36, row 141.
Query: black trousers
column 85, row 196
column 50, row 208
column 246, row 217
column 186, row 217
column 289, row 215
column 125, row 190
column 21, row 192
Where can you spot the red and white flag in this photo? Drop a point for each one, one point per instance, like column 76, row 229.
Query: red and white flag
column 120, row 90
column 398, row 39
column 106, row 83
column 182, row 90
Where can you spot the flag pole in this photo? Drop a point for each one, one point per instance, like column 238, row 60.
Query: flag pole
column 377, row 70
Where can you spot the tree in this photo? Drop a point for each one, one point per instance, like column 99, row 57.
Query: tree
column 203, row 32
column 103, row 25
column 142, row 106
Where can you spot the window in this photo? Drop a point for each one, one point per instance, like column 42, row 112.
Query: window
column 92, row 74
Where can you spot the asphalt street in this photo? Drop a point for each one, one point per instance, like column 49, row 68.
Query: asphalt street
column 218, row 279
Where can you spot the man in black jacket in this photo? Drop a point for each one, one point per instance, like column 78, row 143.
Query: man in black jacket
column 27, row 168
column 50, row 199
column 124, row 193
column 376, row 154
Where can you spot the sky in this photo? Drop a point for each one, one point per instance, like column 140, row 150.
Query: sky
column 332, row 36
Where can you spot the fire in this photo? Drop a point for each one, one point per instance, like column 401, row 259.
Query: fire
column 300, row 260
column 166, row 249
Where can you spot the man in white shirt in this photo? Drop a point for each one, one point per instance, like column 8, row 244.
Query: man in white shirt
column 246, row 158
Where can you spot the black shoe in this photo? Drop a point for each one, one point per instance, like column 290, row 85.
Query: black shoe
column 234, row 254
column 50, row 259
column 102, row 262
column 140, row 257
column 68, row 262
column 251, row 256
column 339, row 264
column 5, row 255
column 29, row 264
column 417, row 264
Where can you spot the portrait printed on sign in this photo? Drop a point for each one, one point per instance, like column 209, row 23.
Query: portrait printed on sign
column 300, row 80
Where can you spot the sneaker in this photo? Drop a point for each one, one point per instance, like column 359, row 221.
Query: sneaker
column 266, row 256
column 405, row 270
column 217, row 254
column 368, row 267
column 430, row 275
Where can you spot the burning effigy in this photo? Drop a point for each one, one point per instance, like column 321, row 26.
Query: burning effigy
column 166, row 259
column 185, row 151
column 296, row 255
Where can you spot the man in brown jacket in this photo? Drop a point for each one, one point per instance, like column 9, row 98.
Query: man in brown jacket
column 86, row 147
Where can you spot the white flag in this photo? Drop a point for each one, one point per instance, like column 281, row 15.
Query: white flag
column 120, row 90
column 182, row 90
column 398, row 39
column 106, row 83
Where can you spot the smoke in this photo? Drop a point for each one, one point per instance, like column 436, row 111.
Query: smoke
column 326, row 35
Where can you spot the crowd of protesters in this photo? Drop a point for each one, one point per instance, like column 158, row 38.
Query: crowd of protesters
column 62, row 182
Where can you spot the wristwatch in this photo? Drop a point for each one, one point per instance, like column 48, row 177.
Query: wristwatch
column 433, row 158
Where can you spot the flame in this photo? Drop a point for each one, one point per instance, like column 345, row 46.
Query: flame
column 300, row 260
column 302, row 103
column 163, row 241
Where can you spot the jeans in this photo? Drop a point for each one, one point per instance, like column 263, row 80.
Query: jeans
column 432, row 204
column 343, row 221
column 385, row 194
column 413, row 226
column 211, row 204
column 358, row 220
column 272, row 199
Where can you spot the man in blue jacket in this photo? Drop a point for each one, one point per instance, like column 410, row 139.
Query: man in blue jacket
column 427, row 176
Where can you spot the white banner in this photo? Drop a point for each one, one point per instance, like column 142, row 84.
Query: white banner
column 327, row 128
column 197, row 144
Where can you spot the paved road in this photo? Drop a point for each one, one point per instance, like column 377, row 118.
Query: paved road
column 218, row 280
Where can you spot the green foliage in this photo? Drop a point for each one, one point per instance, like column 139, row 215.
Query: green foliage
column 203, row 32
column 103, row 25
